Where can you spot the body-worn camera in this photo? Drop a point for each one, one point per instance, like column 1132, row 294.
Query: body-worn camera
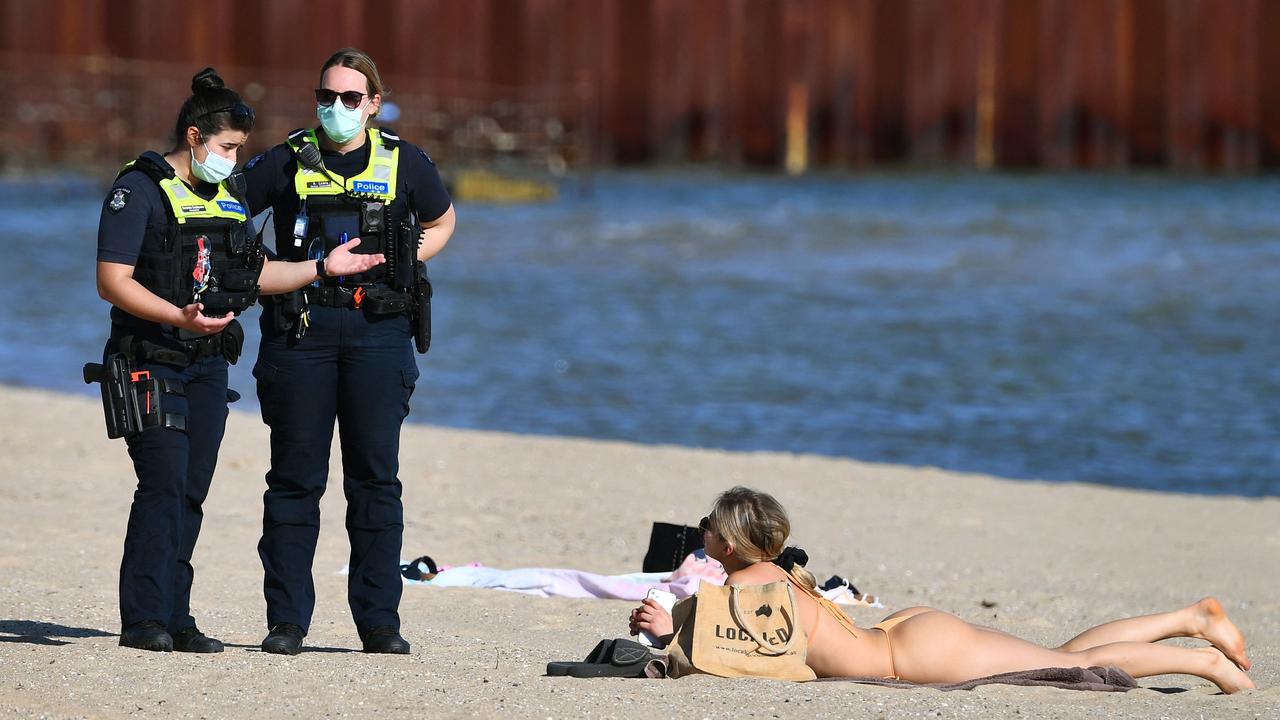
column 372, row 219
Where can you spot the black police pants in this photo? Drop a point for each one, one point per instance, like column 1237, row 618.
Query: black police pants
column 360, row 370
column 174, row 469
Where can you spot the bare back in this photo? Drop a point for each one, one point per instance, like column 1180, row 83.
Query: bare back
column 835, row 649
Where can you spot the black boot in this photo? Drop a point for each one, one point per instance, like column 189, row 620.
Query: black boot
column 284, row 639
column 193, row 641
column 147, row 635
column 385, row 639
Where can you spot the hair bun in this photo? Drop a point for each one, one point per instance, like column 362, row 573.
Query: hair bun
column 207, row 80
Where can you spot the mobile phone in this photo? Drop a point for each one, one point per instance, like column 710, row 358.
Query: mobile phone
column 667, row 601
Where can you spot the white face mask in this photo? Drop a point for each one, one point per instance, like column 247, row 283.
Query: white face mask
column 341, row 123
column 214, row 169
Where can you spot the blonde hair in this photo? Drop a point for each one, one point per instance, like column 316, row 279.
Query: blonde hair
column 757, row 527
column 359, row 61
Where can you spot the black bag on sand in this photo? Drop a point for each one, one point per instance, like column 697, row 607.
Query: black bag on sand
column 668, row 546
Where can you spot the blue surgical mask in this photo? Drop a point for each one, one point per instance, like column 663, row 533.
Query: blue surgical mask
column 341, row 123
column 214, row 169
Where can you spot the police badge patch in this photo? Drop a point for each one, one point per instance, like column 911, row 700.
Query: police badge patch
column 119, row 197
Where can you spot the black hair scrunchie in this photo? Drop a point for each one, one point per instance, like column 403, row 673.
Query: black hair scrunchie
column 791, row 557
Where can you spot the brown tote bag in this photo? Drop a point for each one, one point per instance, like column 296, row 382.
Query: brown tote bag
column 739, row 631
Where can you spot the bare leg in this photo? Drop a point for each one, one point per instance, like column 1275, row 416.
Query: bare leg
column 1141, row 659
column 939, row 647
column 1205, row 620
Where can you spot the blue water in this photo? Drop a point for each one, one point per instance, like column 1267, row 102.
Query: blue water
column 1122, row 330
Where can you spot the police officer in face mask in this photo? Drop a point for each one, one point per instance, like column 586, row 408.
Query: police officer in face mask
column 177, row 259
column 343, row 347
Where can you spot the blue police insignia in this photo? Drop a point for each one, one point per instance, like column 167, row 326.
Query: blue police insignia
column 425, row 156
column 119, row 197
column 369, row 186
column 254, row 161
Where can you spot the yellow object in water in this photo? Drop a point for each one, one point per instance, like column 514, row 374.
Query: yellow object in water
column 488, row 186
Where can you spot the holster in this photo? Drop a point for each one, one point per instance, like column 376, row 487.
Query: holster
column 421, row 314
column 286, row 310
column 132, row 400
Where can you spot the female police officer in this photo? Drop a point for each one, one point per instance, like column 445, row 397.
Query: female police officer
column 177, row 259
column 342, row 348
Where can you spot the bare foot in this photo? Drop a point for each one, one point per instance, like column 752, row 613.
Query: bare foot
column 1212, row 624
column 1225, row 673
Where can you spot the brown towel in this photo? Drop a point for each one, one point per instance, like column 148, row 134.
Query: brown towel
column 1106, row 679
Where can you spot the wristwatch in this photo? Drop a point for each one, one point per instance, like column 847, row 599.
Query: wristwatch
column 320, row 273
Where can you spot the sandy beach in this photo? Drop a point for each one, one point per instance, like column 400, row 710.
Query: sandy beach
column 1037, row 559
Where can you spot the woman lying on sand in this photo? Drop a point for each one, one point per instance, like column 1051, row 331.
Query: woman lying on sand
column 746, row 531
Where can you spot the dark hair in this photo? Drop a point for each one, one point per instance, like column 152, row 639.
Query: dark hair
column 210, row 108
column 360, row 62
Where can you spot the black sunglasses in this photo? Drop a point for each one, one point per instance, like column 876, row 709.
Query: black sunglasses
column 705, row 524
column 350, row 98
column 239, row 112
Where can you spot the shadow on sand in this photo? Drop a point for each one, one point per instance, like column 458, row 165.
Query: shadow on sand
column 43, row 633
column 305, row 649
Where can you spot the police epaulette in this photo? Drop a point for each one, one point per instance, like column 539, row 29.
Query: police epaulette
column 388, row 136
column 151, row 164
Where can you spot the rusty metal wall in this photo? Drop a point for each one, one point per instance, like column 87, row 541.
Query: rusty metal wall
column 1181, row 84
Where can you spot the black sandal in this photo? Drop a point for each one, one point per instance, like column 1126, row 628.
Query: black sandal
column 610, row 658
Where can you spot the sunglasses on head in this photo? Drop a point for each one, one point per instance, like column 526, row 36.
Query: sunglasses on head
column 239, row 112
column 350, row 98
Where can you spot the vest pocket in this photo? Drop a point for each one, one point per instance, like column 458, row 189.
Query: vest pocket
column 239, row 280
